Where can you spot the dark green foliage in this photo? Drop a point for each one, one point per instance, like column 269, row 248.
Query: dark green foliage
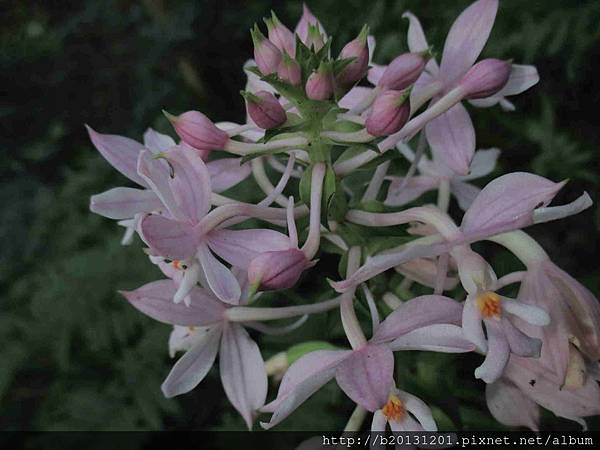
column 74, row 354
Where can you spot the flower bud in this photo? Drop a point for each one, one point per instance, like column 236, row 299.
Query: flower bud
column 359, row 50
column 280, row 35
column 403, row 71
column 266, row 55
column 278, row 269
column 315, row 38
column 197, row 130
column 320, row 84
column 389, row 113
column 264, row 109
column 485, row 78
column 289, row 70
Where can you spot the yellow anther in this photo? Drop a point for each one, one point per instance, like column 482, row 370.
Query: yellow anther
column 489, row 304
column 394, row 409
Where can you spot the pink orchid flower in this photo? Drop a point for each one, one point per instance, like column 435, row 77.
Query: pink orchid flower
column 365, row 374
column 451, row 135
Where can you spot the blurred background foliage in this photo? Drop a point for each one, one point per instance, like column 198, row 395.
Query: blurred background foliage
column 73, row 354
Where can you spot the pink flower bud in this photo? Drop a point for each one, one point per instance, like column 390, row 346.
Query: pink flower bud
column 277, row 270
column 315, row 38
column 197, row 130
column 389, row 113
column 266, row 55
column 357, row 69
column 289, row 70
column 320, row 84
column 264, row 109
column 280, row 35
column 403, row 71
column 486, row 78
column 308, row 18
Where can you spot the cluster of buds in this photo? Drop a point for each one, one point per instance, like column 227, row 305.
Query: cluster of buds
column 324, row 124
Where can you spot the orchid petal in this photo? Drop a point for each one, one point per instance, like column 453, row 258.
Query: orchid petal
column 374, row 75
column 308, row 18
column 425, row 271
column 521, row 78
column 510, row 406
column 168, row 238
column 157, row 142
column 466, row 39
column 121, row 152
column 416, row 313
column 483, row 163
column 239, row 247
column 219, row 278
column 227, row 172
column 367, row 376
column 471, row 324
column 407, row 423
column 354, row 96
column 508, row 203
column 465, row 193
column 521, row 344
column 155, row 299
column 192, row 367
column 434, row 338
column 417, row 42
column 379, row 421
column 400, row 193
column 583, row 202
column 254, row 83
column 419, row 409
column 529, row 313
column 123, row 202
column 497, row 354
column 157, row 174
column 242, row 371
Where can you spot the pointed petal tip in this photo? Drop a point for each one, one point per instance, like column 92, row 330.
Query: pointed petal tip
column 170, row 117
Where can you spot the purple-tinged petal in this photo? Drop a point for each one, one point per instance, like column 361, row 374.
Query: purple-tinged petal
column 308, row 18
column 121, row 152
column 399, row 195
column 581, row 203
column 182, row 339
column 303, row 379
column 354, row 96
column 483, row 163
column 190, row 183
column 466, row 39
column 471, row 324
column 123, row 203
column 155, row 299
column 529, row 313
column 157, row 142
column 465, row 193
column 243, row 372
column 375, row 73
column 434, row 338
column 192, row 367
column 219, row 278
column 510, row 406
column 508, row 202
column 239, row 247
column 425, row 271
column 521, row 78
column 157, row 174
column 497, row 354
column 451, row 137
column 417, row 42
column 416, row 313
column 520, row 344
column 367, row 376
column 168, row 238
column 227, row 172
column 419, row 409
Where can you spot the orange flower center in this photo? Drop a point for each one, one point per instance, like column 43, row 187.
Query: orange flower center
column 179, row 265
column 394, row 409
column 489, row 304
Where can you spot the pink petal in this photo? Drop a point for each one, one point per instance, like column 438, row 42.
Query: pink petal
column 466, row 39
column 407, row 423
column 354, row 96
column 451, row 137
column 242, row 371
column 155, row 299
column 308, row 18
column 168, row 238
column 419, row 409
column 121, row 152
column 497, row 354
column 521, row 344
column 190, row 183
column 227, row 172
column 521, row 78
column 471, row 324
column 510, row 406
column 529, row 313
column 239, row 247
column 302, row 380
column 379, row 421
column 483, row 163
column 434, row 338
column 367, row 376
column 425, row 271
column 123, row 203
column 374, row 75
column 417, row 42
column 219, row 278
column 508, row 202
column 416, row 313
column 192, row 367
column 465, row 193
column 157, row 142
column 157, row 174
column 413, row 189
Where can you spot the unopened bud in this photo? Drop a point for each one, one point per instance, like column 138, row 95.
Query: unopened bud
column 359, row 50
column 197, row 130
column 320, row 84
column 403, row 71
column 389, row 113
column 266, row 55
column 280, row 35
column 485, row 78
column 264, row 109
column 289, row 70
column 315, row 38
column 278, row 269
